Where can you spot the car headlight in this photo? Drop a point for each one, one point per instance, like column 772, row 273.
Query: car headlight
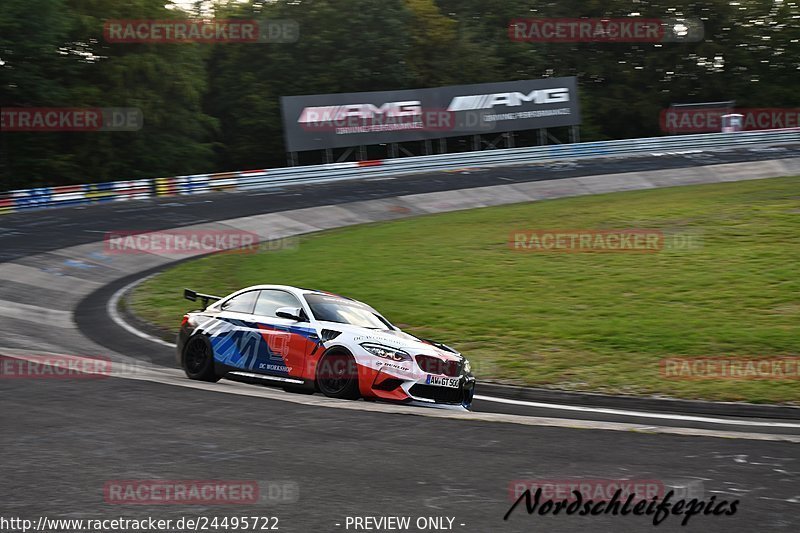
column 386, row 352
column 467, row 366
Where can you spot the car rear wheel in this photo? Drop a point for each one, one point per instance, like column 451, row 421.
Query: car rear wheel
column 198, row 359
column 337, row 376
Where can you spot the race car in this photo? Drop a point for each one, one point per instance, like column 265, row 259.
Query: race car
column 306, row 340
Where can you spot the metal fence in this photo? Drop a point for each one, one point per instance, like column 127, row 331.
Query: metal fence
column 44, row 197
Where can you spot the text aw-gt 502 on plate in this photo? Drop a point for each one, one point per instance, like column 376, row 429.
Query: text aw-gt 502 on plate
column 305, row 340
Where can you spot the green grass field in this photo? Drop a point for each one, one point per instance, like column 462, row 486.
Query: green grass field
column 575, row 321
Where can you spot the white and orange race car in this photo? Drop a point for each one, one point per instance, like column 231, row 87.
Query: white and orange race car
column 305, row 340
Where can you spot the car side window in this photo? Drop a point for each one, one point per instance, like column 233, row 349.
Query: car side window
column 271, row 300
column 242, row 303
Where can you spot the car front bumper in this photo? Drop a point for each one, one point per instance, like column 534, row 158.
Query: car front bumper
column 390, row 384
column 462, row 395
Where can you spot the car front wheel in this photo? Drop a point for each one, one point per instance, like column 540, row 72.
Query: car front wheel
column 337, row 376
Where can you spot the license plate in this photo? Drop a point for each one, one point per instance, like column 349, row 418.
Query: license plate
column 443, row 381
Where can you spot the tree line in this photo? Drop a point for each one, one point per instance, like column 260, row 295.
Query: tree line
column 216, row 107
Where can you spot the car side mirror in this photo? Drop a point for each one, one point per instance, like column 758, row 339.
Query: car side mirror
column 292, row 313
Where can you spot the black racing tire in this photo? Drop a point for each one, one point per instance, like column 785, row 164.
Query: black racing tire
column 337, row 376
column 198, row 359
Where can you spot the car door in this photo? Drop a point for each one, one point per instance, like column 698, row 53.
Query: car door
column 287, row 342
column 234, row 335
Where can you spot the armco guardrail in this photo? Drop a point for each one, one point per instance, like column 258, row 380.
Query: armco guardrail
column 265, row 178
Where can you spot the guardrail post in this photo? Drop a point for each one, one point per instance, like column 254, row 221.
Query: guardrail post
column 574, row 134
column 476, row 143
column 542, row 137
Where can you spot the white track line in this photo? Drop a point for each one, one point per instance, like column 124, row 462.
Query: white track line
column 111, row 309
column 641, row 414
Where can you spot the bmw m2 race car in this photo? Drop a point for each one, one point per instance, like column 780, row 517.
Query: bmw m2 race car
column 305, row 340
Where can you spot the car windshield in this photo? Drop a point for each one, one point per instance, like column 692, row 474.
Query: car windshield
column 336, row 309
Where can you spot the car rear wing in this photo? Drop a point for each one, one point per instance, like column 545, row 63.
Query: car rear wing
column 189, row 294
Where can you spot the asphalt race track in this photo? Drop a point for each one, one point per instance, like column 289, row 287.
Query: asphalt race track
column 22, row 233
column 69, row 439
column 63, row 441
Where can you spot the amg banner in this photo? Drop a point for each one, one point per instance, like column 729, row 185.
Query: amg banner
column 322, row 121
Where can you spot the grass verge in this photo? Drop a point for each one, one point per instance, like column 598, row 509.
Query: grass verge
column 576, row 321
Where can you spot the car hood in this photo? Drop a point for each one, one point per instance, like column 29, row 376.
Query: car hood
column 394, row 339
